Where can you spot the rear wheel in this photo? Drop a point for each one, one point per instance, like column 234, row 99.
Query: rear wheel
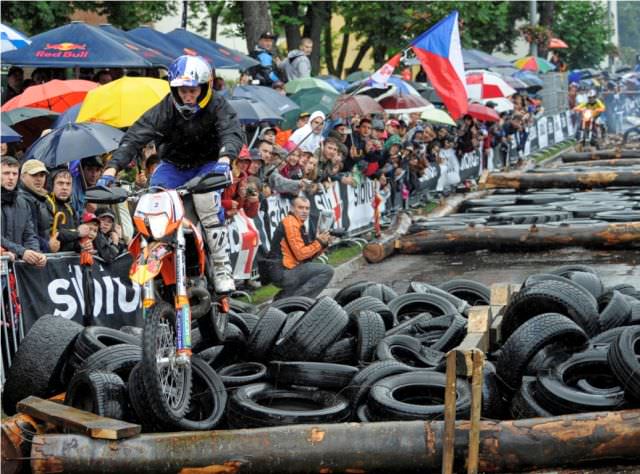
column 167, row 381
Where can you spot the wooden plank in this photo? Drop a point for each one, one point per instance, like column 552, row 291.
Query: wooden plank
column 448, row 442
column 500, row 293
column 513, row 289
column 476, row 408
column 495, row 335
column 479, row 319
column 472, row 341
column 77, row 420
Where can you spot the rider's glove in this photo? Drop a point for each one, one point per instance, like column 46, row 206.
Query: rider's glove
column 106, row 181
column 223, row 169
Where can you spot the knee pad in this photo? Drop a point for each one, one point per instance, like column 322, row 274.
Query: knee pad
column 210, row 212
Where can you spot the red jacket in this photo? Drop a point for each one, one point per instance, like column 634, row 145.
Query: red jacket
column 230, row 194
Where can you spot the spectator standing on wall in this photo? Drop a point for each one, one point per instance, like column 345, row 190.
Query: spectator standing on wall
column 297, row 65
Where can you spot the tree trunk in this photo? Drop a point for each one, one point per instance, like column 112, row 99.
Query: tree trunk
column 408, row 446
column 379, row 56
column 343, row 54
column 379, row 249
column 364, row 49
column 563, row 179
column 328, row 49
column 257, row 19
column 612, row 162
column 546, row 19
column 521, row 237
column 214, row 10
column 317, row 14
column 292, row 32
column 572, row 157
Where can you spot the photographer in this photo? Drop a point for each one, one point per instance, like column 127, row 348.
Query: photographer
column 289, row 263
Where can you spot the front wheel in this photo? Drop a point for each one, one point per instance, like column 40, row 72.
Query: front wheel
column 167, row 381
column 213, row 325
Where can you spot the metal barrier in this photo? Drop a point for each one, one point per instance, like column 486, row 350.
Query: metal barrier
column 12, row 331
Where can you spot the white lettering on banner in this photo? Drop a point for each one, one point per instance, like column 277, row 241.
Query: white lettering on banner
column 469, row 160
column 543, row 140
column 558, row 132
column 277, row 209
column 431, row 172
column 62, row 299
column 360, row 205
column 329, row 200
column 243, row 242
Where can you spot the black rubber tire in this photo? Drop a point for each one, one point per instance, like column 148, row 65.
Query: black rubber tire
column 320, row 375
column 250, row 321
column 369, row 303
column 292, row 319
column 239, row 322
column 559, row 394
column 547, row 358
column 144, row 415
column 563, row 270
column 492, row 404
column 625, row 289
column 343, row 351
column 246, row 407
column 409, row 351
column 538, row 277
column 418, row 287
column 530, row 338
column 360, row 385
column 37, row 365
column 321, row 326
column 453, row 336
column 590, row 281
column 213, row 325
column 619, row 216
column 634, row 318
column 371, row 330
column 616, row 313
column 551, row 297
column 133, row 331
column 238, row 306
column 471, row 291
column 410, row 325
column 162, row 315
column 119, row 359
column 529, row 217
column 524, row 404
column 380, row 291
column 98, row 392
column 242, row 373
column 351, row 292
column 362, row 414
column 94, row 338
column 265, row 334
column 624, row 360
column 292, row 303
column 417, row 395
column 607, row 337
column 411, row 304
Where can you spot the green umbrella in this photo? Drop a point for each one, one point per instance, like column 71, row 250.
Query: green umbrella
column 310, row 100
column 308, row 83
column 29, row 122
column 358, row 76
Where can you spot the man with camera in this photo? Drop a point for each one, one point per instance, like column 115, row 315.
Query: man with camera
column 289, row 262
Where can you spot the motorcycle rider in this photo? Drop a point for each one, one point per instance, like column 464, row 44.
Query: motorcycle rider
column 196, row 132
column 596, row 106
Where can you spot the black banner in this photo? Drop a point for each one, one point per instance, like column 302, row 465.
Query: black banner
column 58, row 289
column 470, row 165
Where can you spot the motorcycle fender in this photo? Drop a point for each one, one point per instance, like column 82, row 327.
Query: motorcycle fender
column 149, row 262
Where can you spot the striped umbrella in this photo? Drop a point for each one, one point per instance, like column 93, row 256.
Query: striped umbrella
column 12, row 39
column 534, row 63
column 487, row 85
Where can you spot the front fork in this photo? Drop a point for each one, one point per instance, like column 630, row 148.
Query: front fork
column 183, row 309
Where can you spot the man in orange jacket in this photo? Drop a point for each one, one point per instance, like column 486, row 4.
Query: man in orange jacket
column 292, row 252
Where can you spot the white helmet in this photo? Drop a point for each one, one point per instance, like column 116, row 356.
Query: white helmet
column 592, row 95
column 190, row 71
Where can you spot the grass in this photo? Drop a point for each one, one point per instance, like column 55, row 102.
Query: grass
column 549, row 152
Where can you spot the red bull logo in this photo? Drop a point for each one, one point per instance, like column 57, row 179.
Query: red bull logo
column 63, row 50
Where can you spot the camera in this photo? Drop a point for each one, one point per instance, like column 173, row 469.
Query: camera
column 251, row 192
column 340, row 232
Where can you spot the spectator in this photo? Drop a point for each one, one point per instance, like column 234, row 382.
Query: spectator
column 290, row 265
column 309, row 137
column 278, row 86
column 297, row 64
column 265, row 72
column 19, row 239
column 108, row 242
column 90, row 170
column 103, row 77
column 283, row 136
column 515, row 128
column 240, row 195
column 268, row 134
column 466, row 135
column 257, row 163
column 33, row 178
column 265, row 148
column 310, row 175
column 219, row 85
column 15, row 86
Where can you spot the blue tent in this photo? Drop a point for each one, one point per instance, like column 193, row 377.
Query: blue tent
column 154, row 39
column 75, row 45
column 338, row 84
column 151, row 54
column 218, row 55
column 9, row 134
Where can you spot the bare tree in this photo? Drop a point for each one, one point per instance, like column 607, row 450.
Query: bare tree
column 257, row 19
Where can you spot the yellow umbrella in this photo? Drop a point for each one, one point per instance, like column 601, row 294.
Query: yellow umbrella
column 120, row 103
column 437, row 116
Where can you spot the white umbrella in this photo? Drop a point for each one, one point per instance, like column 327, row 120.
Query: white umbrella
column 501, row 104
column 487, row 85
column 12, row 39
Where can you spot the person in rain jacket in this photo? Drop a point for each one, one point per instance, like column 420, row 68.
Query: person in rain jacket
column 297, row 65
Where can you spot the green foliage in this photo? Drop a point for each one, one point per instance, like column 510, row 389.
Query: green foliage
column 629, row 30
column 584, row 27
column 130, row 14
column 203, row 11
column 35, row 17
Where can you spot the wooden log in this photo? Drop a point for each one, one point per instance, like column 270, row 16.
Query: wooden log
column 561, row 179
column 613, row 162
column 16, row 434
column 378, row 250
column 521, row 237
column 612, row 153
column 77, row 420
column 402, row 447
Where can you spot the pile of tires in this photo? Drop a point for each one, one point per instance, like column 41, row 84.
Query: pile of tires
column 571, row 344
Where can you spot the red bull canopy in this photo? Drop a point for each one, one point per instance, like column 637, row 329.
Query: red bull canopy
column 75, row 45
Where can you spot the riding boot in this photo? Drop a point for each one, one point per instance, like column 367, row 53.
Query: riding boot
column 220, row 264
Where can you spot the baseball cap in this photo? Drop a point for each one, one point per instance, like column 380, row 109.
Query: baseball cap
column 105, row 212
column 267, row 35
column 378, row 125
column 304, row 115
column 89, row 217
column 265, row 130
column 33, row 167
column 244, row 153
column 255, row 155
column 393, row 123
column 91, row 161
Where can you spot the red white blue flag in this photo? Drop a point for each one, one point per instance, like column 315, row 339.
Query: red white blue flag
column 381, row 76
column 440, row 54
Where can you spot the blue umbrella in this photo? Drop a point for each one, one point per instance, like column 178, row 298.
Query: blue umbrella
column 218, row 55
column 9, row 135
column 277, row 102
column 68, row 116
column 75, row 45
column 74, row 141
column 12, row 39
column 151, row 54
column 253, row 112
column 338, row 84
column 476, row 59
column 529, row 78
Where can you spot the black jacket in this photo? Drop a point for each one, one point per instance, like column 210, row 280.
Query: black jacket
column 18, row 233
column 38, row 206
column 67, row 232
column 213, row 132
column 107, row 250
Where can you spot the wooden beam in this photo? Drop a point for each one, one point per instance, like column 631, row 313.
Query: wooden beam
column 562, row 179
column 80, row 421
column 479, row 319
column 476, row 409
column 448, row 442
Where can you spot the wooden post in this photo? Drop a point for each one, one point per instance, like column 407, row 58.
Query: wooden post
column 378, row 250
column 613, row 153
column 576, row 179
column 448, row 442
column 596, row 163
column 476, row 409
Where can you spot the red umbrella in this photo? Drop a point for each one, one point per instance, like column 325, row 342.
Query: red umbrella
column 404, row 103
column 482, row 112
column 557, row 43
column 54, row 95
column 349, row 105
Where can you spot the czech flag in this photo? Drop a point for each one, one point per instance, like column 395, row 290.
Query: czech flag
column 439, row 51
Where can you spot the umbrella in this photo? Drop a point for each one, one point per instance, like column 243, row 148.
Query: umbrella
column 338, row 84
column 154, row 56
column 435, row 115
column 68, row 116
column 75, row 45
column 482, row 112
column 395, row 86
column 252, row 112
column 311, row 100
column 120, row 103
column 501, row 104
column 529, row 78
column 54, row 95
column 476, row 59
column 349, row 105
column 29, row 122
column 151, row 38
column 74, row 141
column 557, row 43
column 358, row 76
column 12, row 39
column 404, row 104
column 515, row 82
column 218, row 55
column 487, row 85
column 9, row 135
column 534, row 63
column 308, row 83
column 267, row 95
